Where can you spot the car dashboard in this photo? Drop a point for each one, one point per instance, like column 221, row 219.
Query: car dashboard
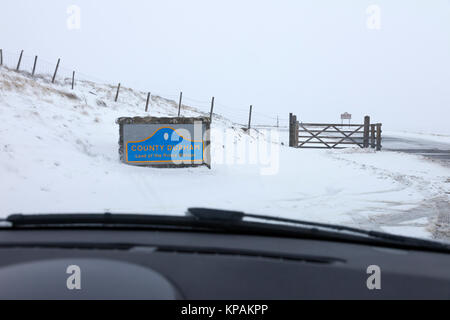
column 178, row 265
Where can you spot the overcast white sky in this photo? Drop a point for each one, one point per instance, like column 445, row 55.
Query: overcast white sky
column 315, row 58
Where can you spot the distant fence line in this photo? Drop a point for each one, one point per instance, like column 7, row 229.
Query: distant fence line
column 37, row 67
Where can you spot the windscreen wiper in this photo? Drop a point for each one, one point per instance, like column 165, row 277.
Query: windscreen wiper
column 212, row 214
column 211, row 220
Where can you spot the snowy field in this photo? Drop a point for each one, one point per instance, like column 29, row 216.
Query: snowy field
column 59, row 154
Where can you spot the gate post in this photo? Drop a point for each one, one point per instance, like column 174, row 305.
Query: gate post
column 366, row 131
column 291, row 127
column 379, row 136
column 372, row 135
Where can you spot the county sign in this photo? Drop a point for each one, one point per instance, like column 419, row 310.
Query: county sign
column 165, row 142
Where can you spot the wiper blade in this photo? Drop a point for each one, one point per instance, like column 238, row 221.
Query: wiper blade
column 106, row 219
column 202, row 216
column 212, row 215
column 223, row 215
column 200, row 219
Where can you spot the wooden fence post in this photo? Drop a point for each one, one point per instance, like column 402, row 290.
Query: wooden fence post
column 379, row 125
column 56, row 71
column 73, row 79
column 20, row 61
column 373, row 136
column 1, row 57
column 34, row 66
column 212, row 110
column 179, row 104
column 148, row 101
column 117, row 93
column 250, row 118
column 366, row 131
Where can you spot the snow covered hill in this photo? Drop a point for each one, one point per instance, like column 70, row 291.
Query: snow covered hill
column 59, row 154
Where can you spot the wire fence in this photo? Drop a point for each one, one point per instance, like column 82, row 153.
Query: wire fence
column 58, row 72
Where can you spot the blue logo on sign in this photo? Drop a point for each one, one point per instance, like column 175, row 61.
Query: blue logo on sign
column 166, row 145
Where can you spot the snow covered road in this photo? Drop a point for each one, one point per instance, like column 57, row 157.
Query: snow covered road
column 435, row 149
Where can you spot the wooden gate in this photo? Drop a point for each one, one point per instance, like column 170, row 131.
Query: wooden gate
column 334, row 136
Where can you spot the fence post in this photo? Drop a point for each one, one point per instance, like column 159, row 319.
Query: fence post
column 250, row 118
column 56, row 70
column 372, row 136
column 366, row 131
column 148, row 101
column 212, row 110
column 34, row 66
column 179, row 104
column 20, row 61
column 73, row 79
column 379, row 125
column 117, row 93
column 1, row 57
